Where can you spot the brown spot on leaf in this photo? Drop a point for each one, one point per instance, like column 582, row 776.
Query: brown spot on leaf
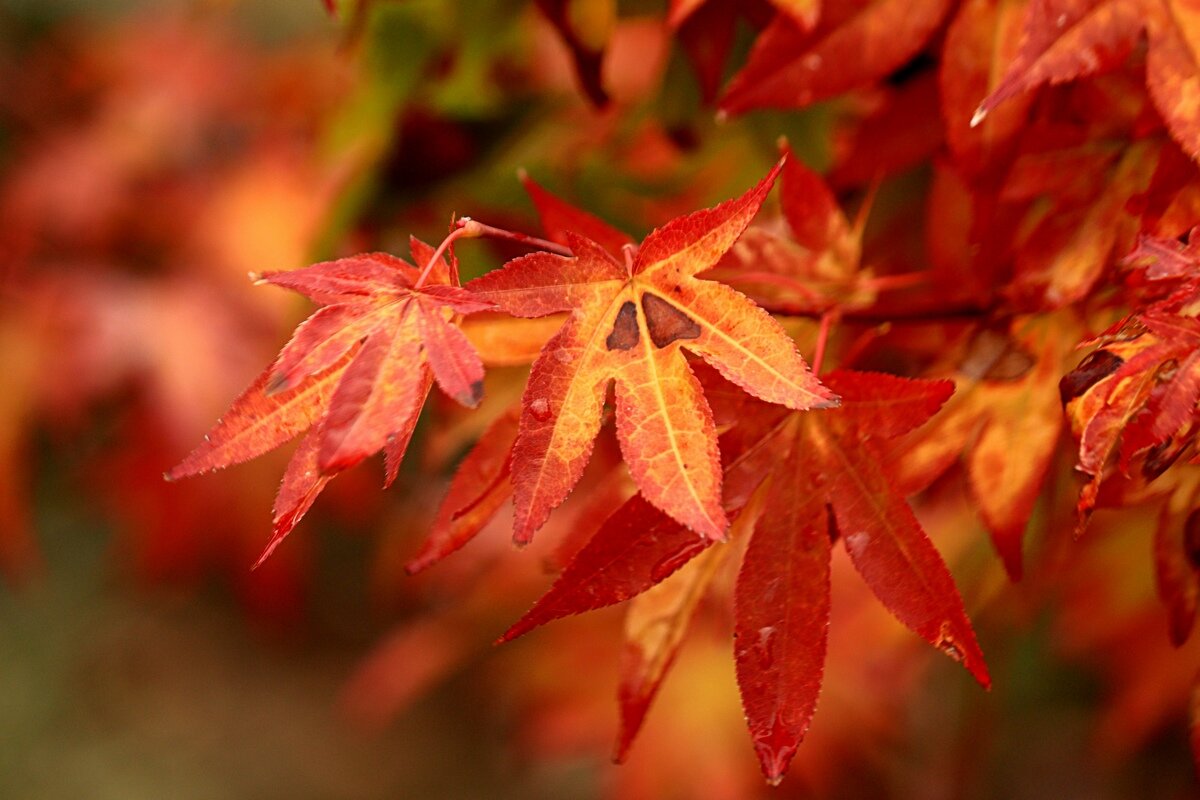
column 665, row 322
column 625, row 330
column 1091, row 370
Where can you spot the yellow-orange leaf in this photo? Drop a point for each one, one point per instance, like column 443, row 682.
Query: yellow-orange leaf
column 627, row 326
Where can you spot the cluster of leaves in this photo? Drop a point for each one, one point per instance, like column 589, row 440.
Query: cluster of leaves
column 356, row 374
column 1051, row 150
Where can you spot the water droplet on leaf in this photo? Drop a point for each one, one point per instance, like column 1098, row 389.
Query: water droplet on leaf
column 540, row 408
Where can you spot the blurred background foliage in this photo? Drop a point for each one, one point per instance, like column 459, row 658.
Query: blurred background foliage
column 151, row 154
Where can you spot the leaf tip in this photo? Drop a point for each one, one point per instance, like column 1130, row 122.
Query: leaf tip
column 523, row 529
column 420, row 562
column 775, row 757
column 519, row 629
column 829, row 401
column 966, row 653
column 282, row 528
column 180, row 471
column 474, row 394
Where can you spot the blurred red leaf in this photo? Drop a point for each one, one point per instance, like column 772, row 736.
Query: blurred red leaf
column 1063, row 40
column 855, row 43
column 480, row 486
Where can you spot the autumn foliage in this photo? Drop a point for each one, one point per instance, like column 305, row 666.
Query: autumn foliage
column 993, row 280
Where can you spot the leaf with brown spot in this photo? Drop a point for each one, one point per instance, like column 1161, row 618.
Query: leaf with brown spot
column 627, row 324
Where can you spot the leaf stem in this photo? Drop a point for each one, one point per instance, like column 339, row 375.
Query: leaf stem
column 461, row 231
column 828, row 320
column 481, row 229
column 467, row 228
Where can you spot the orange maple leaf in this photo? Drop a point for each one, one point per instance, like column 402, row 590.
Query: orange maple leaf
column 627, row 325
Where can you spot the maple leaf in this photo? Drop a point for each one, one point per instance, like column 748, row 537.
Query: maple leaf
column 355, row 375
column 854, row 44
column 1067, row 39
column 831, row 477
column 826, row 479
column 1135, row 397
column 627, row 325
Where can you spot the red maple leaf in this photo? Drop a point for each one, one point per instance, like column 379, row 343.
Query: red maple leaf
column 827, row 480
column 354, row 375
column 855, row 43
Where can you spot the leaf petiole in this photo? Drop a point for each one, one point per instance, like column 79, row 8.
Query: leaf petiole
column 828, row 320
column 467, row 228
